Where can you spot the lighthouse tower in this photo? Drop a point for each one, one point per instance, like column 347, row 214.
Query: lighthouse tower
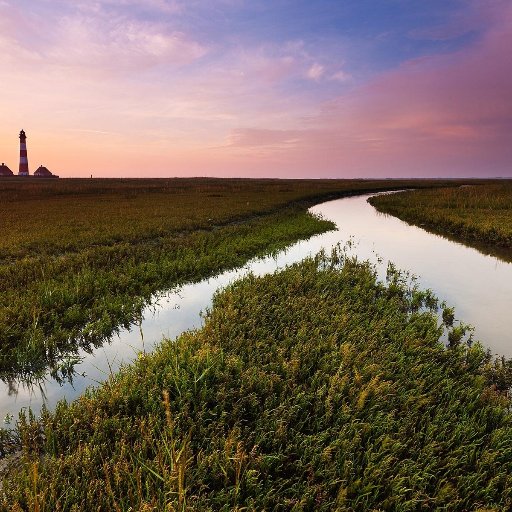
column 23, row 155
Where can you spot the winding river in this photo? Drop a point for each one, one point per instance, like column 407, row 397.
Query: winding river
column 478, row 286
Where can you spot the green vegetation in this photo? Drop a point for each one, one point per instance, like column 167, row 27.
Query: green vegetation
column 477, row 215
column 316, row 388
column 79, row 258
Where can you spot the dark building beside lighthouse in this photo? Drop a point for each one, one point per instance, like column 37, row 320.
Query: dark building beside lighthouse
column 44, row 172
column 5, row 171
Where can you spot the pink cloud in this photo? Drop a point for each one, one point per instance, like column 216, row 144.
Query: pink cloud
column 341, row 76
column 273, row 139
column 164, row 6
column 93, row 40
column 120, row 44
column 316, row 71
column 442, row 115
column 263, row 64
column 455, row 99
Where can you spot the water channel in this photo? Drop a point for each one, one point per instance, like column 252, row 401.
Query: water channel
column 478, row 286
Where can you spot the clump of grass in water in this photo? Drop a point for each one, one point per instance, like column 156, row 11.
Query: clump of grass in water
column 316, row 388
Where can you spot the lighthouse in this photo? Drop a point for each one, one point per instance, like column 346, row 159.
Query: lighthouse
column 23, row 155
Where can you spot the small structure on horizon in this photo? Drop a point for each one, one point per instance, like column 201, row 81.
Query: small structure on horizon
column 44, row 172
column 23, row 170
column 5, row 171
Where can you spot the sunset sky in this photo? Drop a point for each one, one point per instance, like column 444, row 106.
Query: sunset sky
column 262, row 88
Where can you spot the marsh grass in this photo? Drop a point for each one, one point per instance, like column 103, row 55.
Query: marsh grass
column 480, row 216
column 316, row 388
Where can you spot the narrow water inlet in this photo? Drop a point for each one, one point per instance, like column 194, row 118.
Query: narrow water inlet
column 478, row 286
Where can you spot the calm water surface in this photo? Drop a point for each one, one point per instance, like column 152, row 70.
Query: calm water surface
column 478, row 286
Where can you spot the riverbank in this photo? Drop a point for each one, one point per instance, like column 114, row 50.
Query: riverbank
column 312, row 389
column 477, row 216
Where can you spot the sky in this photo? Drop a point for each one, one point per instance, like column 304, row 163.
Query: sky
column 258, row 88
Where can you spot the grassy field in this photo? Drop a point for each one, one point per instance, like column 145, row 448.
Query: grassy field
column 478, row 215
column 79, row 258
column 316, row 388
